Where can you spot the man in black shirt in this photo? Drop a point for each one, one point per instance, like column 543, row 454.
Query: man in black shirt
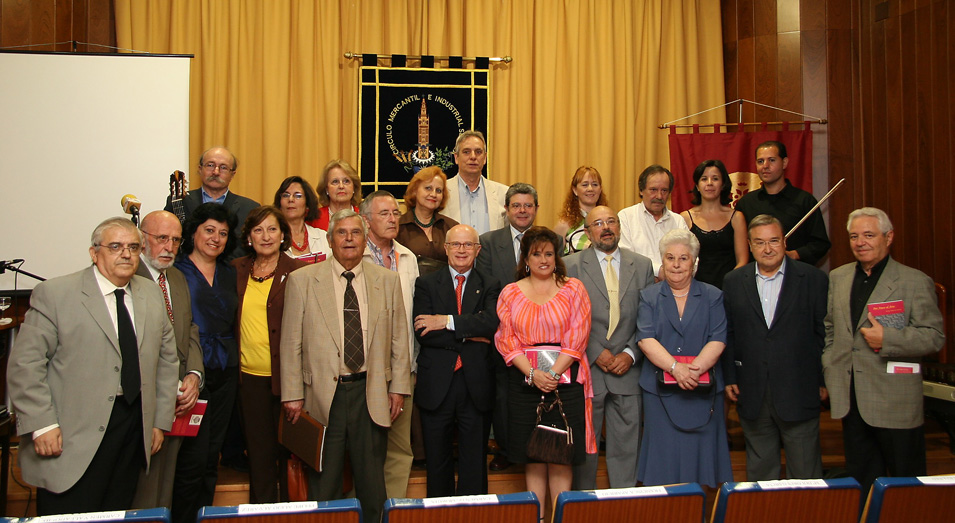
column 788, row 204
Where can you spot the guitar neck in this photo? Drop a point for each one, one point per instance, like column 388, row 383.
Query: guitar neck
column 179, row 210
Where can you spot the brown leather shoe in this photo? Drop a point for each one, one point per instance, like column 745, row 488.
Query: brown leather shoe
column 499, row 463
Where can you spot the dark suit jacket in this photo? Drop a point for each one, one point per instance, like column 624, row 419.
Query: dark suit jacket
column 784, row 358
column 187, row 333
column 496, row 258
column 276, row 306
column 240, row 206
column 434, row 294
column 636, row 272
column 704, row 320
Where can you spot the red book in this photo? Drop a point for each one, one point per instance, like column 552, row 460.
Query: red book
column 668, row 378
column 188, row 423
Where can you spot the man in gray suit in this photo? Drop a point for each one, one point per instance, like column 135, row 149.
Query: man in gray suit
column 92, row 379
column 163, row 235
column 872, row 364
column 217, row 167
column 613, row 278
column 498, row 256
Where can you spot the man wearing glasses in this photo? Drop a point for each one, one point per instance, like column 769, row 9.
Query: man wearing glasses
column 163, row 236
column 455, row 317
column 380, row 212
column 613, row 278
column 772, row 364
column 92, row 379
column 500, row 250
column 217, row 167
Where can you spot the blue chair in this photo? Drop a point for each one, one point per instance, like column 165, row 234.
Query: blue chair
column 673, row 503
column 784, row 501
column 910, row 499
column 521, row 506
column 150, row 515
column 338, row 511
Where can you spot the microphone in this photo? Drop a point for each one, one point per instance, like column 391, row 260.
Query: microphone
column 11, row 262
column 130, row 204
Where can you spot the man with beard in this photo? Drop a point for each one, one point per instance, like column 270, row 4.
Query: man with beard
column 613, row 278
column 163, row 236
column 644, row 224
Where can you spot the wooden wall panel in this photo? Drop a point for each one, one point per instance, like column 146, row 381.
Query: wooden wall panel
column 887, row 87
column 41, row 23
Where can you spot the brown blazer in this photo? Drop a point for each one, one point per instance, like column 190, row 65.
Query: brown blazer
column 276, row 306
column 187, row 333
column 312, row 344
column 892, row 401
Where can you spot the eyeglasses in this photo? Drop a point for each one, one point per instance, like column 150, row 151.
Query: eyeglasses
column 599, row 224
column 759, row 244
column 117, row 248
column 211, row 167
column 163, row 238
column 385, row 214
column 525, row 206
column 458, row 245
column 289, row 196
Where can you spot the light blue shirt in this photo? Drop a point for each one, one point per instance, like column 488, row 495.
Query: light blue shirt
column 454, row 276
column 474, row 205
column 769, row 288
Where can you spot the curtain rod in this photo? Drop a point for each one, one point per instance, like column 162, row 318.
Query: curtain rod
column 740, row 102
column 73, row 44
column 505, row 59
column 732, row 124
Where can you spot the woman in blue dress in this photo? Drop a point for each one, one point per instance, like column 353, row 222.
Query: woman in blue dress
column 682, row 331
column 206, row 235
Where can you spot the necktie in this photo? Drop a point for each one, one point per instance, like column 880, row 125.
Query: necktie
column 129, row 378
column 613, row 294
column 165, row 296
column 354, row 343
column 458, row 290
column 517, row 247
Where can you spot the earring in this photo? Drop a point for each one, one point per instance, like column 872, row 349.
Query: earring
column 527, row 269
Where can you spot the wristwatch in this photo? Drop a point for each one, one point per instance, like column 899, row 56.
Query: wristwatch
column 672, row 367
column 554, row 374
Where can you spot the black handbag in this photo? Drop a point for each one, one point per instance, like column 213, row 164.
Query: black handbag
column 549, row 444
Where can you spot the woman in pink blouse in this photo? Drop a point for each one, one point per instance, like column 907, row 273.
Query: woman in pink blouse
column 546, row 309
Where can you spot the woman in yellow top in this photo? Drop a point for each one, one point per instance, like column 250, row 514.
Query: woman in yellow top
column 261, row 278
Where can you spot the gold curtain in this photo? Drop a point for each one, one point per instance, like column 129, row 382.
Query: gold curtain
column 590, row 80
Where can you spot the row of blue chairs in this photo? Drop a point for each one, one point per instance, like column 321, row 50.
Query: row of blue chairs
column 924, row 499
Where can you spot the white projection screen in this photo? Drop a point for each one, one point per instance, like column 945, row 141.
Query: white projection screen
column 77, row 132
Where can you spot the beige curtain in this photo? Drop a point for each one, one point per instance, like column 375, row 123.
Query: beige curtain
column 590, row 80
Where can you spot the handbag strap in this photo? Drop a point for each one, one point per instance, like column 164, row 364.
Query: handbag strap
column 543, row 407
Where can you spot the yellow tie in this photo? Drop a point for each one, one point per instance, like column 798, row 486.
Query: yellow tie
column 613, row 292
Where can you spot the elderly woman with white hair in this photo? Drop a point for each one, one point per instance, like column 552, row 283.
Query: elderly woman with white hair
column 682, row 331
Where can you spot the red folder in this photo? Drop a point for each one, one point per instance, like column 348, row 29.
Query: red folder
column 188, row 423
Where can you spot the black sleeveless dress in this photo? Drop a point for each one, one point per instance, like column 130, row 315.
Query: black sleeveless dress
column 717, row 253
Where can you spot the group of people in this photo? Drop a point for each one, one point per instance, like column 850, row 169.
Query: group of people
column 460, row 315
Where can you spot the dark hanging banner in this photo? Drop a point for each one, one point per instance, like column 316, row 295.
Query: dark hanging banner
column 409, row 119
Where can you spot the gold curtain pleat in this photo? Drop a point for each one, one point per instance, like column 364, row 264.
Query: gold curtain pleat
column 590, row 80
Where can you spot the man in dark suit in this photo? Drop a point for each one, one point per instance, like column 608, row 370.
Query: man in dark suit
column 873, row 370
column 455, row 317
column 775, row 308
column 163, row 235
column 613, row 278
column 92, row 379
column 217, row 167
column 500, row 250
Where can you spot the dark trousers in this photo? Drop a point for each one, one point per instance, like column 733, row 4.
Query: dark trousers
column 872, row 452
column 800, row 439
column 190, row 468
column 350, row 429
column 438, row 424
column 499, row 416
column 268, row 480
column 221, row 387
column 109, row 482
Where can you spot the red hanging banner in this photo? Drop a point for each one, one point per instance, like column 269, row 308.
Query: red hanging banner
column 737, row 150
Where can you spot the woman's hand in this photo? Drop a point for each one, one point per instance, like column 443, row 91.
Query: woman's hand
column 544, row 381
column 687, row 375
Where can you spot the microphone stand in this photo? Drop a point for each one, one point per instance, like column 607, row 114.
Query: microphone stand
column 5, row 266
